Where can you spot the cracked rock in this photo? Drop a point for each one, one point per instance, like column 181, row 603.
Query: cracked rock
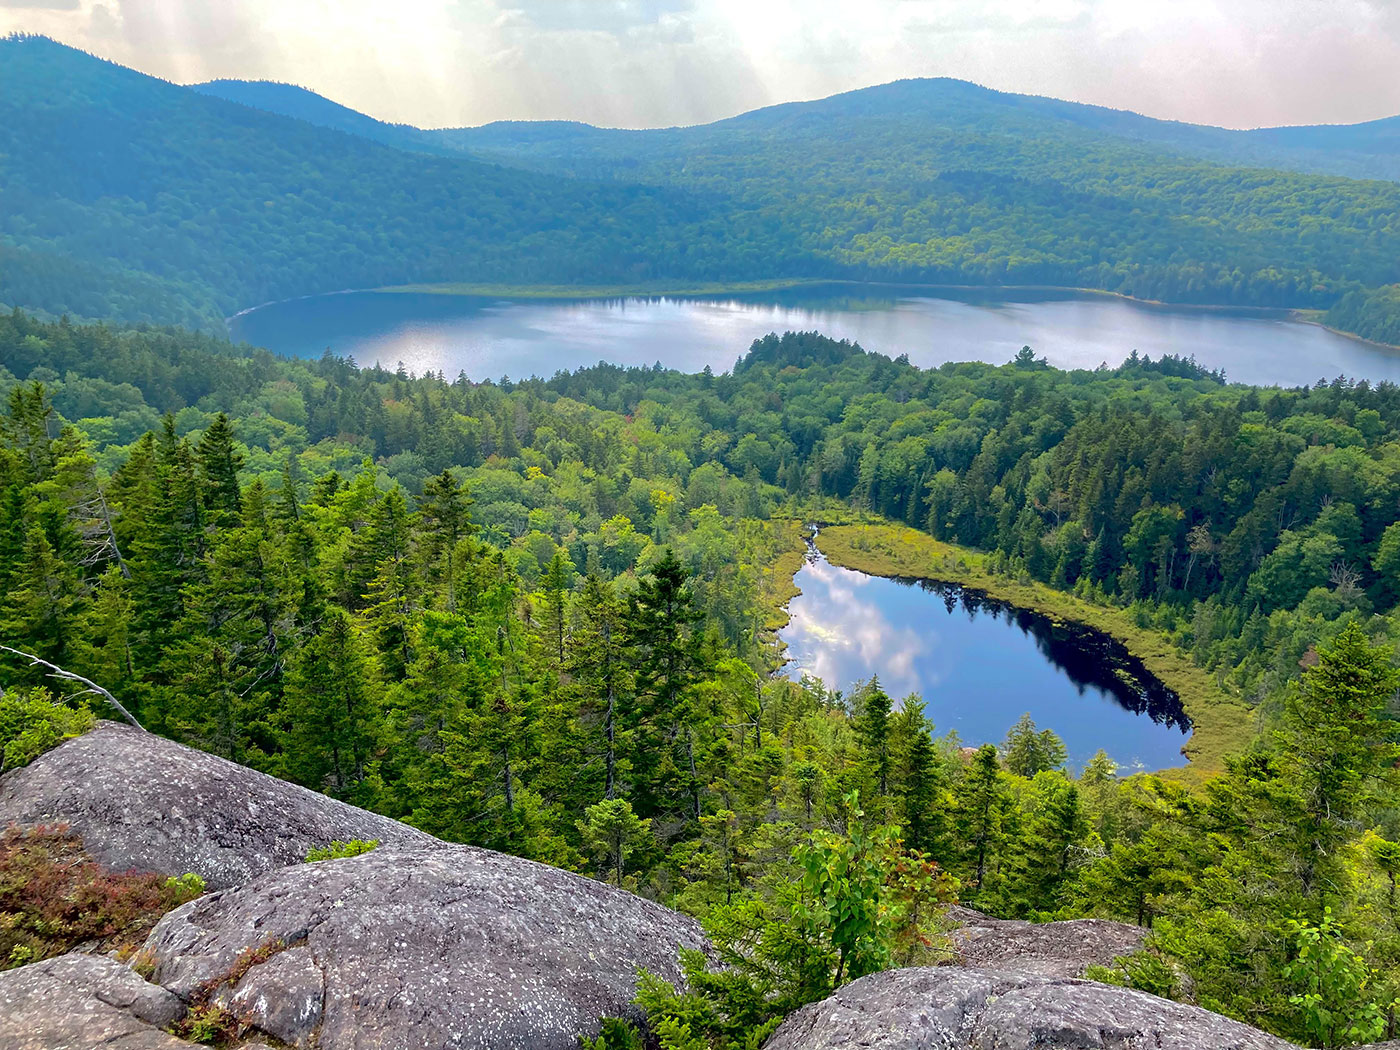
column 77, row 1002
column 452, row 947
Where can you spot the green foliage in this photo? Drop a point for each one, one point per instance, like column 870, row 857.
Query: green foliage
column 337, row 849
column 200, row 207
column 616, row 1034
column 208, row 1024
column 1028, row 751
column 32, row 723
column 613, row 832
column 1146, row 971
column 860, row 903
column 188, row 885
column 1338, row 996
column 531, row 616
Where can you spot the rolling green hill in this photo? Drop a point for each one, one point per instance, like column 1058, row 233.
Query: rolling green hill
column 125, row 196
column 122, row 195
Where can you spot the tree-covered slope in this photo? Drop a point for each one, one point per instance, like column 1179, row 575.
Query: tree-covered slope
column 943, row 181
column 1368, row 150
column 133, row 198
column 215, row 206
column 290, row 100
column 527, row 616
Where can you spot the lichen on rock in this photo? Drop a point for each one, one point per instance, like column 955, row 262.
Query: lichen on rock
column 445, row 947
column 79, row 1002
column 950, row 1008
column 140, row 802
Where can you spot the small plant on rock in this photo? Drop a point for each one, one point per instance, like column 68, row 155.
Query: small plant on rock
column 338, row 850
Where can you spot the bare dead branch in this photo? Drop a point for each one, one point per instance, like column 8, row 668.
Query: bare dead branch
column 68, row 676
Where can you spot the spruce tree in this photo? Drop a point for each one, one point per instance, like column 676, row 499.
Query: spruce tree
column 219, row 462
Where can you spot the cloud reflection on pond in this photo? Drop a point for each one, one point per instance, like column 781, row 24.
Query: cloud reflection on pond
column 979, row 671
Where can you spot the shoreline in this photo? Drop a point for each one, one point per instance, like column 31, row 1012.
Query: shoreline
column 705, row 290
column 1221, row 723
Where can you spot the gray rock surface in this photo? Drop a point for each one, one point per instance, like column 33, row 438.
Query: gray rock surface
column 75, row 1002
column 949, row 1008
column 142, row 802
column 1053, row 949
column 450, row 947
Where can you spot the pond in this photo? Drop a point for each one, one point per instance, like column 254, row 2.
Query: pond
column 489, row 338
column 979, row 664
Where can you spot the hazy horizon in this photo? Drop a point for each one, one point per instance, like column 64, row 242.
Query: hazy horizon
column 657, row 63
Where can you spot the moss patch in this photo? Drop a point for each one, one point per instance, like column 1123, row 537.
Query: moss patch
column 1222, row 723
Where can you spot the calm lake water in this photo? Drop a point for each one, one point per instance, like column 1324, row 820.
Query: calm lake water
column 488, row 338
column 980, row 664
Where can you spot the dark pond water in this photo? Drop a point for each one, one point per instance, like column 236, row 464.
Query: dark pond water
column 490, row 338
column 980, row 664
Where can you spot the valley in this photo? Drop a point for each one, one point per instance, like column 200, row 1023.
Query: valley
column 921, row 552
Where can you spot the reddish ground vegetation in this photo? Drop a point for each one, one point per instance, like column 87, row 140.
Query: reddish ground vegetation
column 54, row 896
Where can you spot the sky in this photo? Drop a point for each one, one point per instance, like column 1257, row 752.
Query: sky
column 650, row 63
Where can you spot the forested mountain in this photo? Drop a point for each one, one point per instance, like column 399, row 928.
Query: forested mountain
column 126, row 196
column 302, row 104
column 528, row 616
column 1369, row 150
column 123, row 195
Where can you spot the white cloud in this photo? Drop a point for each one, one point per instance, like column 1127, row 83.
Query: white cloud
column 656, row 62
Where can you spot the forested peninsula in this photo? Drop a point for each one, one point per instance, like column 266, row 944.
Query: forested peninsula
column 536, row 616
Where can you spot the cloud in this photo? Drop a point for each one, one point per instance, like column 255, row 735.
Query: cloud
column 656, row 62
column 44, row 5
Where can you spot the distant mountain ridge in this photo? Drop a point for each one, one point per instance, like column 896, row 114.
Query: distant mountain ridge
column 1370, row 149
column 301, row 103
column 127, row 197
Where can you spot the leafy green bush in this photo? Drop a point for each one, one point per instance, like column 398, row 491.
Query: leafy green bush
column 337, row 849
column 32, row 723
column 1339, row 1000
column 616, row 1035
column 861, row 903
column 189, row 884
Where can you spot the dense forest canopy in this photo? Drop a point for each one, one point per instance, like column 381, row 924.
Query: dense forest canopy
column 127, row 197
column 535, row 616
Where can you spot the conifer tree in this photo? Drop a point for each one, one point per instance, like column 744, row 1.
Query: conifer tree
column 872, row 728
column 926, row 818
column 332, row 710
column 663, row 617
column 445, row 511
column 600, row 666
column 1337, row 741
column 219, row 462
column 981, row 809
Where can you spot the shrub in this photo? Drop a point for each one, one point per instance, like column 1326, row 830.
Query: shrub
column 54, row 896
column 1146, row 971
column 860, row 903
column 208, row 1024
column 32, row 723
column 337, row 849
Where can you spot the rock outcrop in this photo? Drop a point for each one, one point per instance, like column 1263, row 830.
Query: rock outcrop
column 1052, row 949
column 142, row 802
column 448, row 947
column 77, row 1002
column 947, row 1008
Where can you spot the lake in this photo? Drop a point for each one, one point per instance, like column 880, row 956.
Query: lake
column 491, row 338
column 979, row 664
